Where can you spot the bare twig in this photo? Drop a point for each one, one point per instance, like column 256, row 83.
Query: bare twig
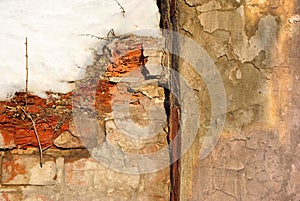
column 45, row 148
column 26, row 87
column 121, row 7
column 110, row 35
column 36, row 135
column 79, row 66
column 94, row 36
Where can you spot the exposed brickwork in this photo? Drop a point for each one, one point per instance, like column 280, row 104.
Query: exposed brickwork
column 50, row 115
column 126, row 60
column 103, row 95
column 69, row 172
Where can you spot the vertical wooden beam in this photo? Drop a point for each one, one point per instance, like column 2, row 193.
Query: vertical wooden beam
column 174, row 124
column 168, row 11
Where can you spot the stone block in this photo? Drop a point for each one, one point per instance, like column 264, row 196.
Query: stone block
column 9, row 196
column 81, row 171
column 67, row 140
column 26, row 170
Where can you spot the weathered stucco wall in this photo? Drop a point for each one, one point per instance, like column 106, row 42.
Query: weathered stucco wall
column 255, row 46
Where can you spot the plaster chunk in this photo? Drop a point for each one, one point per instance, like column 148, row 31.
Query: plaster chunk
column 238, row 74
column 195, row 2
column 67, row 140
column 264, row 39
column 233, row 21
column 26, row 170
column 212, row 5
column 224, row 20
column 152, row 91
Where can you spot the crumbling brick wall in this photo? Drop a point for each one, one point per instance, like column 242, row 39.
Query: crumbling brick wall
column 255, row 47
column 71, row 126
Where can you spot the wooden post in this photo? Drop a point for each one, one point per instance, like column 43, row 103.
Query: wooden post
column 168, row 11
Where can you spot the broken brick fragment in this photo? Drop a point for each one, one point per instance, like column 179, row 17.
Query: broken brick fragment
column 126, row 61
column 16, row 129
column 103, row 97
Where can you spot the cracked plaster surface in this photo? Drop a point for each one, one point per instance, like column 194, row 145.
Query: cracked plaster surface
column 254, row 45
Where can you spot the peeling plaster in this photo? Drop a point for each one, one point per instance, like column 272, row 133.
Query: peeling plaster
column 210, row 6
column 264, row 39
column 234, row 22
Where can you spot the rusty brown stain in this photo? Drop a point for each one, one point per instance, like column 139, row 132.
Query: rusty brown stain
column 15, row 169
column 175, row 153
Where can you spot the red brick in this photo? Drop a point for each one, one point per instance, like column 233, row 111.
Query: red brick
column 17, row 130
column 103, row 97
column 125, row 61
column 7, row 139
column 33, row 109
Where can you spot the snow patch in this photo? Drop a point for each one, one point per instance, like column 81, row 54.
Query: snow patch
column 57, row 54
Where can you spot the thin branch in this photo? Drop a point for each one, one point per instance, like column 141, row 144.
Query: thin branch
column 36, row 135
column 94, row 36
column 45, row 148
column 110, row 35
column 26, row 88
column 121, row 7
column 79, row 66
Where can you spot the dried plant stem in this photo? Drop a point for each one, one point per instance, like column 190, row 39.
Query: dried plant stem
column 93, row 36
column 26, row 87
column 110, row 35
column 36, row 135
column 121, row 7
